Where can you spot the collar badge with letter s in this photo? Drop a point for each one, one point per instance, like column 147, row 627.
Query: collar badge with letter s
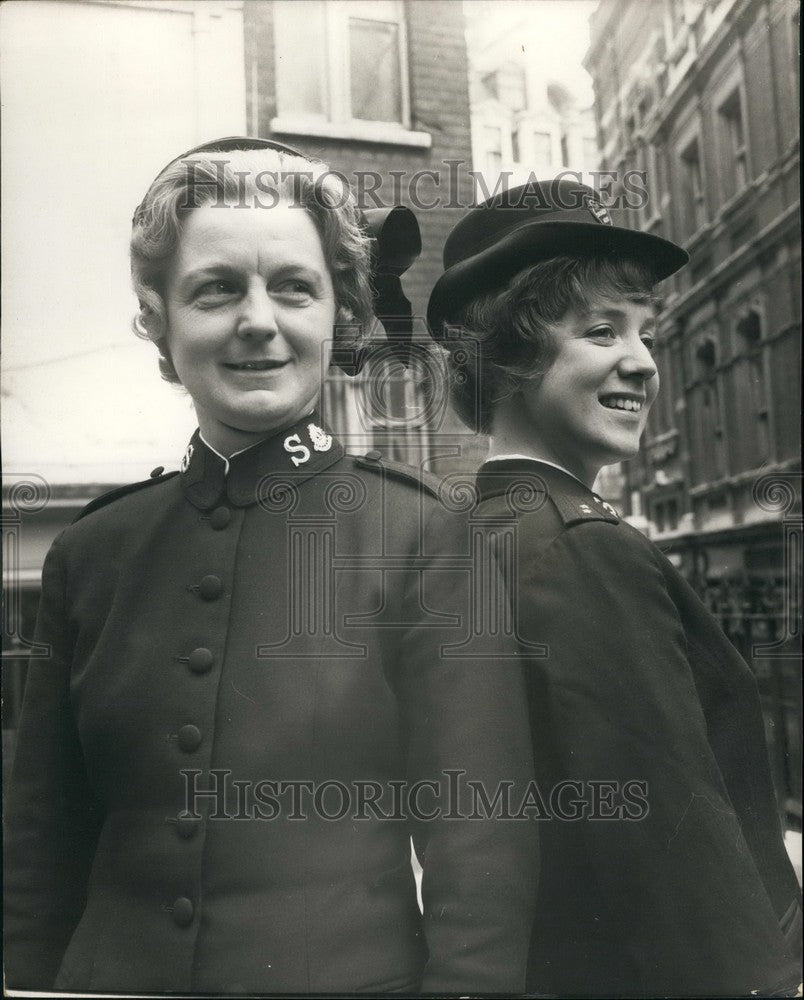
column 185, row 462
column 299, row 453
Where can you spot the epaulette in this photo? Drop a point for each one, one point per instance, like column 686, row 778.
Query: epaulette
column 399, row 470
column 577, row 506
column 121, row 491
column 573, row 502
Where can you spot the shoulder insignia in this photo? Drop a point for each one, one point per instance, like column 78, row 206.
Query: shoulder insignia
column 106, row 498
column 576, row 507
column 399, row 470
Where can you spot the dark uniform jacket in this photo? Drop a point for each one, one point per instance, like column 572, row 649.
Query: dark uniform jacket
column 663, row 870
column 292, row 620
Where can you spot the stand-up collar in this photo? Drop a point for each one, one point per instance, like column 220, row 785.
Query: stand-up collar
column 298, row 452
column 574, row 501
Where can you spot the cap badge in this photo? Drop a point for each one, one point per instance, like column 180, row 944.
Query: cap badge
column 598, row 210
column 321, row 441
column 185, row 462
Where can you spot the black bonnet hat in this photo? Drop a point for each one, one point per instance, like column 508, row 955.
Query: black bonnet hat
column 527, row 224
column 395, row 245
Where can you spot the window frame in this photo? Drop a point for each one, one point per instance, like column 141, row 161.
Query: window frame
column 694, row 202
column 731, row 93
column 338, row 120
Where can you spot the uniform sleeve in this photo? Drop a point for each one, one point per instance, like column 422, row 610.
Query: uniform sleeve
column 51, row 819
column 615, row 702
column 466, row 722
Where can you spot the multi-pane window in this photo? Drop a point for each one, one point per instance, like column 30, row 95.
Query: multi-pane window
column 734, row 149
column 692, row 189
column 341, row 62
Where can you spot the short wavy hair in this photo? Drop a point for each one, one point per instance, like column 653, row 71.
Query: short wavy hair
column 262, row 177
column 506, row 336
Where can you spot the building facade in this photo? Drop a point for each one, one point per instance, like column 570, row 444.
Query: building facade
column 531, row 114
column 702, row 97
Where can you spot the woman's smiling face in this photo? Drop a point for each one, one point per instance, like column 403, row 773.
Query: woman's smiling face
column 250, row 310
column 590, row 407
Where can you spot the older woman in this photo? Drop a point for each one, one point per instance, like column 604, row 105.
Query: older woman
column 219, row 767
column 663, row 867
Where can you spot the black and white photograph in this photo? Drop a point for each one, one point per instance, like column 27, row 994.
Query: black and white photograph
column 401, row 498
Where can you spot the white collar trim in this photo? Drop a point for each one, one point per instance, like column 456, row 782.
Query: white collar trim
column 532, row 458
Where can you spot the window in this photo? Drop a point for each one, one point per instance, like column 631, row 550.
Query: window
column 341, row 64
column 492, row 142
column 706, row 356
column 734, row 149
column 375, row 70
column 511, row 87
column 542, row 150
column 301, row 84
column 515, row 154
column 712, row 453
column 692, row 190
column 665, row 515
column 749, row 329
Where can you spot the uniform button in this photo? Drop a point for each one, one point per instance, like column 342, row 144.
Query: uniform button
column 220, row 518
column 189, row 738
column 210, row 587
column 157, row 472
column 187, row 826
column 200, row 660
column 183, row 912
column 374, row 456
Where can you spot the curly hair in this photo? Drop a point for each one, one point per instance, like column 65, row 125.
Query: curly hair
column 506, row 335
column 260, row 177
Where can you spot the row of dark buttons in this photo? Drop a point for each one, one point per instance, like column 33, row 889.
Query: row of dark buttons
column 200, row 661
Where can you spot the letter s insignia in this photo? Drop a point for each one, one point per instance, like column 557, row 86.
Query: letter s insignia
column 299, row 453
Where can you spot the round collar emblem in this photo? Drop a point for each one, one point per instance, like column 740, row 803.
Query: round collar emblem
column 321, row 440
column 185, row 462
